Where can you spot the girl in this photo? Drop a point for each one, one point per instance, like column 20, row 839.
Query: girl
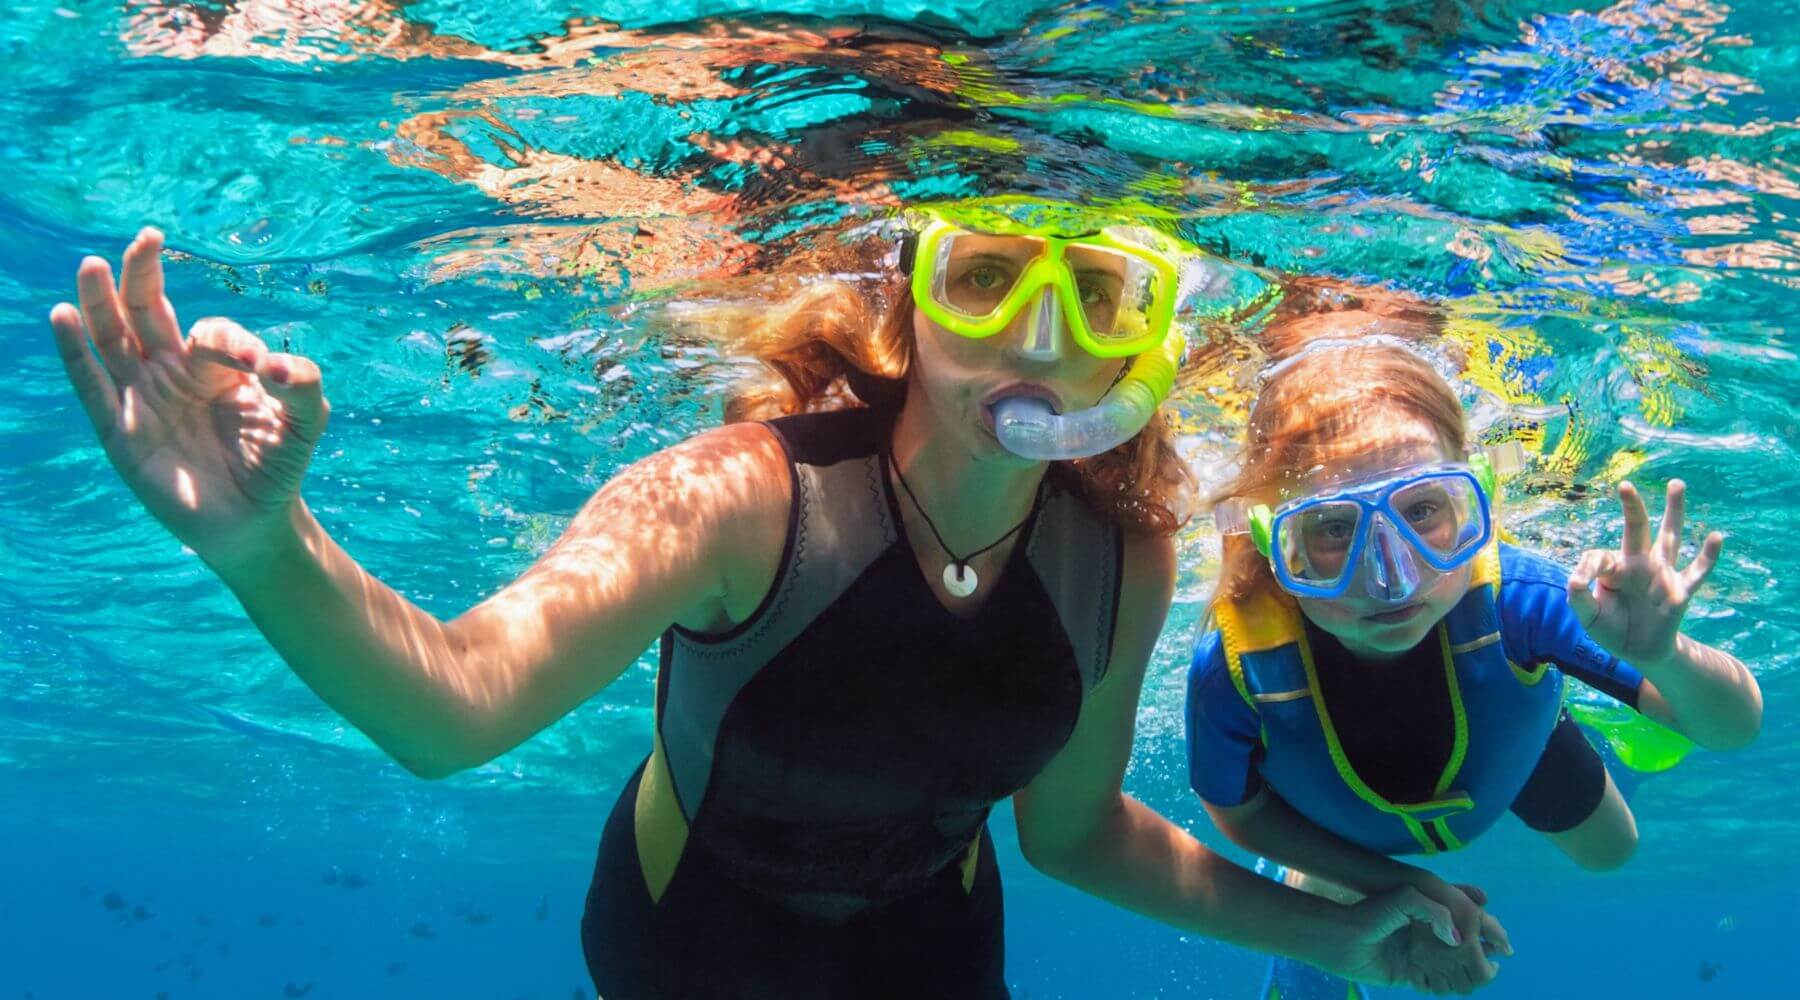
column 876, row 621
column 1382, row 673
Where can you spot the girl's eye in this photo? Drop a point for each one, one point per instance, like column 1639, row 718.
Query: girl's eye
column 1422, row 511
column 1331, row 531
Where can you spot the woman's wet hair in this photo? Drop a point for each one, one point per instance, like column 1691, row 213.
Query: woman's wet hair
column 834, row 328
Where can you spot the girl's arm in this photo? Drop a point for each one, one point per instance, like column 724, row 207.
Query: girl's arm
column 1606, row 839
column 1078, row 826
column 1632, row 601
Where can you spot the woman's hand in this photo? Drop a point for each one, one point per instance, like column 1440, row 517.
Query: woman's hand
column 1378, row 948
column 212, row 433
column 1433, row 967
column 1632, row 601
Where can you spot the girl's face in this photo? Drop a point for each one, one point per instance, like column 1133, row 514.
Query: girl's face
column 1369, row 627
column 962, row 378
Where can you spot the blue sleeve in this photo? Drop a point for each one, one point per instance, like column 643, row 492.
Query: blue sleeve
column 1224, row 740
column 1538, row 626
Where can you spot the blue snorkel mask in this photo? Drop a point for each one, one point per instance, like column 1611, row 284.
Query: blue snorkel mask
column 1384, row 532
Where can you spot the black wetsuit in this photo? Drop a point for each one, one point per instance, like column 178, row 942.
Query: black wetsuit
column 810, row 823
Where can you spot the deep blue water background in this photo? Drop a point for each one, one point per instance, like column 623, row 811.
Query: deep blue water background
column 445, row 203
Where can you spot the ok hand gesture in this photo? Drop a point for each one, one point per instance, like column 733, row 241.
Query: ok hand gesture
column 1632, row 600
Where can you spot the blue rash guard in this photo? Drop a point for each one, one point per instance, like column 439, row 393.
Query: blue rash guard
column 1395, row 726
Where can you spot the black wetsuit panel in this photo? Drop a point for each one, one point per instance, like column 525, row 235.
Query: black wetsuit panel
column 836, row 756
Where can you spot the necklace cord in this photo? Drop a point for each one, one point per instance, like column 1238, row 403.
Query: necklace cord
column 960, row 562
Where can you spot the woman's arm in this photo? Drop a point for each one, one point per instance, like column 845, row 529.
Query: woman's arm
column 214, row 434
column 1268, row 826
column 689, row 535
column 1078, row 826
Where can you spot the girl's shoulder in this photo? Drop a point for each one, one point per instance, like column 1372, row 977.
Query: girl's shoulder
column 1525, row 568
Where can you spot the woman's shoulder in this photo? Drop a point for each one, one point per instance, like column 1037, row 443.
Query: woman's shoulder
column 1149, row 571
column 826, row 437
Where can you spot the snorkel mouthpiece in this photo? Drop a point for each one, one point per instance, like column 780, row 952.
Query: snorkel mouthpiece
column 1030, row 428
column 1390, row 568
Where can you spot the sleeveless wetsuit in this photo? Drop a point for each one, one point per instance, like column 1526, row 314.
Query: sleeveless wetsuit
column 810, row 823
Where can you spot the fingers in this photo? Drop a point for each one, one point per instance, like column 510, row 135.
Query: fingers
column 1581, row 596
column 1498, row 942
column 1409, row 904
column 152, row 317
column 118, row 346
column 296, row 382
column 1703, row 564
column 1668, row 537
column 99, row 398
column 218, row 341
column 1474, row 966
column 1637, row 521
column 1474, row 893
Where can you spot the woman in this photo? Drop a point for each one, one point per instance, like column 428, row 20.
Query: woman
column 876, row 621
column 1383, row 675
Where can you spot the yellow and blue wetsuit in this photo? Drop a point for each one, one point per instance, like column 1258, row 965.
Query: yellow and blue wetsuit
column 1422, row 753
column 1454, row 733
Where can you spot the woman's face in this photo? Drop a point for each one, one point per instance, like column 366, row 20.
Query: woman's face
column 962, row 377
column 1366, row 625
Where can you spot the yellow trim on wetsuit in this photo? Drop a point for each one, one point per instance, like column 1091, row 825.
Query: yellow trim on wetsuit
column 1265, row 623
column 657, row 821
column 1444, row 799
column 970, row 862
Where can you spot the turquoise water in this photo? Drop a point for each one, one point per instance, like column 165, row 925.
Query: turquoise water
column 450, row 207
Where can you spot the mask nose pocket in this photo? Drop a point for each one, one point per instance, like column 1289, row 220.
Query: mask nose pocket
column 1390, row 568
column 1043, row 328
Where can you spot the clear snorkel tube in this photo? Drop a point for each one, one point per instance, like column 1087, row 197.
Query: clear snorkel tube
column 1031, row 428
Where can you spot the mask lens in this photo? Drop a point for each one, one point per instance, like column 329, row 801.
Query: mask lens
column 973, row 273
column 1116, row 291
column 1315, row 541
column 1443, row 514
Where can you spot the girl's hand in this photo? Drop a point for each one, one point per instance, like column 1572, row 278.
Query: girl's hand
column 1632, row 601
column 212, row 433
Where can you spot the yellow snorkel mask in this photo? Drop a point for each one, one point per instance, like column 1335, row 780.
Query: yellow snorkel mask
column 977, row 266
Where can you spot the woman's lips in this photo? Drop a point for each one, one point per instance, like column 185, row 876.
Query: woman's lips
column 1015, row 390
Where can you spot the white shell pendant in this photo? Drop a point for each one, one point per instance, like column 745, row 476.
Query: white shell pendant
column 960, row 584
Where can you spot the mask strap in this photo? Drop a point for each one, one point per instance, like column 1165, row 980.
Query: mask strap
column 1496, row 462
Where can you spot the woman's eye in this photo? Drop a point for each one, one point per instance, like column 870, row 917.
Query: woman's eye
column 986, row 279
column 1094, row 292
